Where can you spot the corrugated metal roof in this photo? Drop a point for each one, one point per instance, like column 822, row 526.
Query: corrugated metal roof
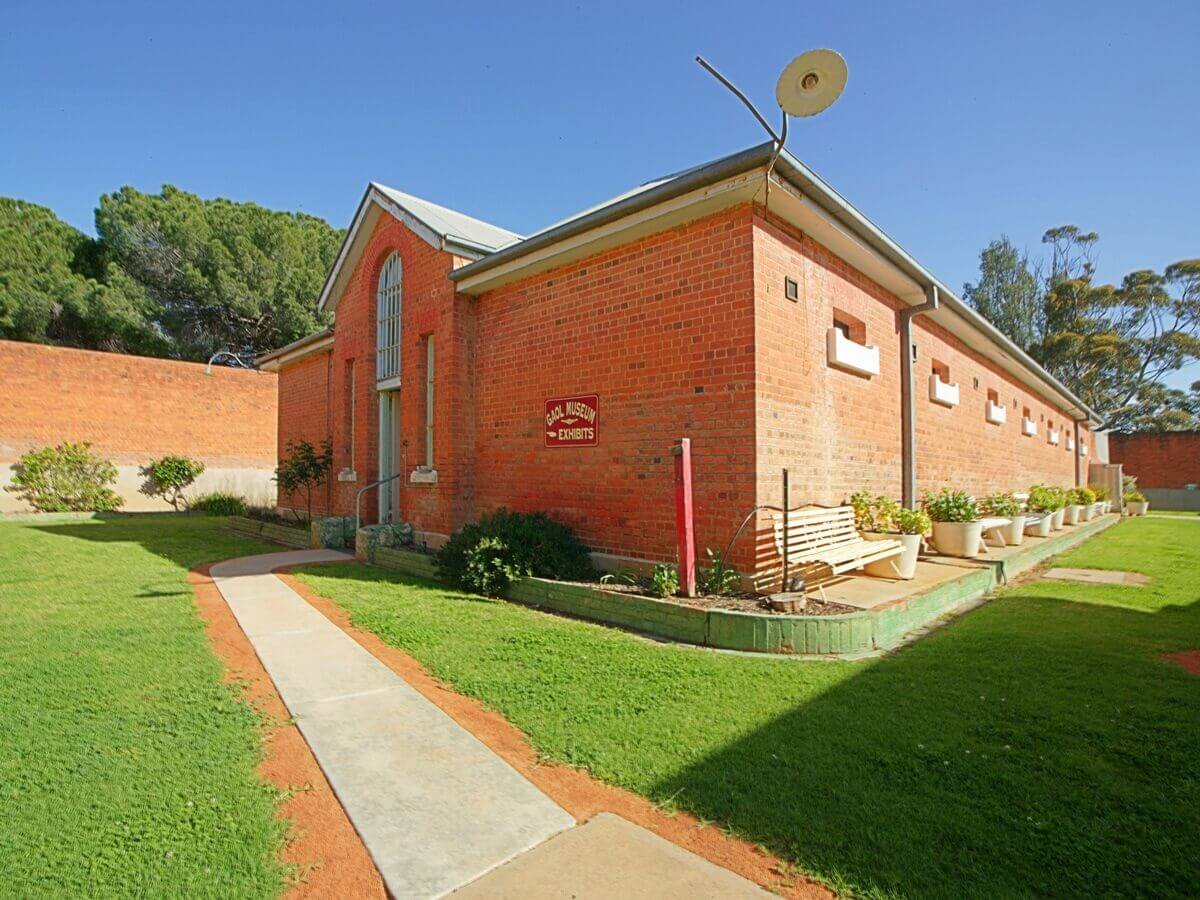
column 449, row 223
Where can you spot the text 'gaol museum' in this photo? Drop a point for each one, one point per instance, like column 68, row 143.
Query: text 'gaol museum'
column 755, row 312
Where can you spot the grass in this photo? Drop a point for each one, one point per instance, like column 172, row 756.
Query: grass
column 1039, row 745
column 126, row 767
column 1187, row 513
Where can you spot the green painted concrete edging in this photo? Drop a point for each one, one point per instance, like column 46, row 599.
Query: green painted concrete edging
column 268, row 531
column 855, row 633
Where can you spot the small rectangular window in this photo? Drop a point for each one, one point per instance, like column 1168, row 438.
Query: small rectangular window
column 941, row 370
column 994, row 396
column 791, row 289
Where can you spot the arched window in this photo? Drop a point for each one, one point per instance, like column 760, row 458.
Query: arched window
column 387, row 304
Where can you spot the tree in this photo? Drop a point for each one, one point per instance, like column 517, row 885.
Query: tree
column 1111, row 345
column 1008, row 293
column 170, row 476
column 304, row 468
column 66, row 478
column 56, row 287
column 221, row 275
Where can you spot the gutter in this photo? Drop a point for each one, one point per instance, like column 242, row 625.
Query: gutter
column 820, row 194
column 310, row 344
column 908, row 412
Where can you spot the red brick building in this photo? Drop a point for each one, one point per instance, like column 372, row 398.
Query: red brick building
column 761, row 316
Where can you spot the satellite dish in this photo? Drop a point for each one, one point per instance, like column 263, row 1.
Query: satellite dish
column 811, row 82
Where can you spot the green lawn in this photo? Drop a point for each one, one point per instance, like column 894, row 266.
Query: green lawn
column 126, row 767
column 1038, row 745
column 1189, row 513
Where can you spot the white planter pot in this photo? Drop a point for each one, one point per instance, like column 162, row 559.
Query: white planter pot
column 902, row 566
column 1039, row 527
column 1085, row 513
column 1014, row 532
column 1137, row 509
column 1097, row 509
column 960, row 539
column 1071, row 514
column 1057, row 520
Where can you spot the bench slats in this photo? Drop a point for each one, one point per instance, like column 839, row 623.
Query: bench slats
column 828, row 536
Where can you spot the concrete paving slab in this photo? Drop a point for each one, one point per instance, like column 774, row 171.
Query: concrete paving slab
column 608, row 857
column 435, row 807
column 1098, row 576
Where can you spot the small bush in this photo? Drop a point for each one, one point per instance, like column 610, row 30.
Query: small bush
column 912, row 521
column 876, row 514
column 950, row 506
column 66, row 478
column 489, row 568
column 535, row 545
column 1001, row 503
column 1081, row 496
column 303, row 469
column 1045, row 499
column 1102, row 492
column 219, row 504
column 719, row 578
column 1134, row 497
column 665, row 581
column 170, row 476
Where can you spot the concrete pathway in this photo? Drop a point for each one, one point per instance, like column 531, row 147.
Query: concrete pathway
column 435, row 807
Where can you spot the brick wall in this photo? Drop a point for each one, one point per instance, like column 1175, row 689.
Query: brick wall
column 305, row 414
column 662, row 330
column 133, row 409
column 1169, row 460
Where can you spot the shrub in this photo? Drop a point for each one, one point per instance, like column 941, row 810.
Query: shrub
column 912, row 521
column 170, row 476
column 304, row 467
column 1134, row 497
column 1045, row 499
column 1102, row 492
column 536, row 544
column 66, row 478
column 950, row 506
column 874, row 513
column 1001, row 503
column 219, row 504
column 490, row 567
column 1081, row 496
column 665, row 581
column 719, row 578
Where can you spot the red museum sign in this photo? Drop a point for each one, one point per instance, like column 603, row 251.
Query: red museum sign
column 573, row 421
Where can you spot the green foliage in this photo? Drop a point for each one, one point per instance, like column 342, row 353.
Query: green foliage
column 1081, row 496
column 874, row 513
column 1102, row 492
column 1057, row 691
column 130, row 763
column 170, row 476
column 219, row 503
column 1112, row 345
column 720, row 578
column 1046, row 499
column 66, row 478
column 1134, row 497
column 304, row 468
column 221, row 275
column 911, row 521
column 1001, row 503
column 950, row 506
column 537, row 545
column 664, row 582
column 491, row 567
column 57, row 288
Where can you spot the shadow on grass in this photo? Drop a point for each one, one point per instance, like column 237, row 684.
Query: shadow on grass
column 1036, row 747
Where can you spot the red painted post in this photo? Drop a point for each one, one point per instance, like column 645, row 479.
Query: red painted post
column 685, row 532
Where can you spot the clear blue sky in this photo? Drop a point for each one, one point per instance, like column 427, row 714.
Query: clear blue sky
column 961, row 121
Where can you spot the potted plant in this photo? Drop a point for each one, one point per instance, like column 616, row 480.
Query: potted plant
column 957, row 530
column 892, row 521
column 1042, row 503
column 1135, row 503
column 1086, row 498
column 1059, row 512
column 1103, row 497
column 1004, row 505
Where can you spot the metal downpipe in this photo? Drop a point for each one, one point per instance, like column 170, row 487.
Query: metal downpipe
column 908, row 417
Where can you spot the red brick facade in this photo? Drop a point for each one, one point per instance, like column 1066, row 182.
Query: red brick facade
column 1170, row 460
column 685, row 332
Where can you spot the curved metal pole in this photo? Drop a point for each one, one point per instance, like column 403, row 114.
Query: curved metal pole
column 737, row 93
column 362, row 490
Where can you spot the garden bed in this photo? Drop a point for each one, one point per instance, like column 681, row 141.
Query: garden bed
column 740, row 602
column 269, row 531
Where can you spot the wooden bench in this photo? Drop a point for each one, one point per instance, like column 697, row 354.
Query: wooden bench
column 827, row 536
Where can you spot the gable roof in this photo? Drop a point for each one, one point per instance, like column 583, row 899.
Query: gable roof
column 440, row 227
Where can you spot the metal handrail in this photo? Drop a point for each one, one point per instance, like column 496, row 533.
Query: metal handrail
column 363, row 490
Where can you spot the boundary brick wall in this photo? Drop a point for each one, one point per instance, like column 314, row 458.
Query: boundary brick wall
column 133, row 409
column 1167, row 460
